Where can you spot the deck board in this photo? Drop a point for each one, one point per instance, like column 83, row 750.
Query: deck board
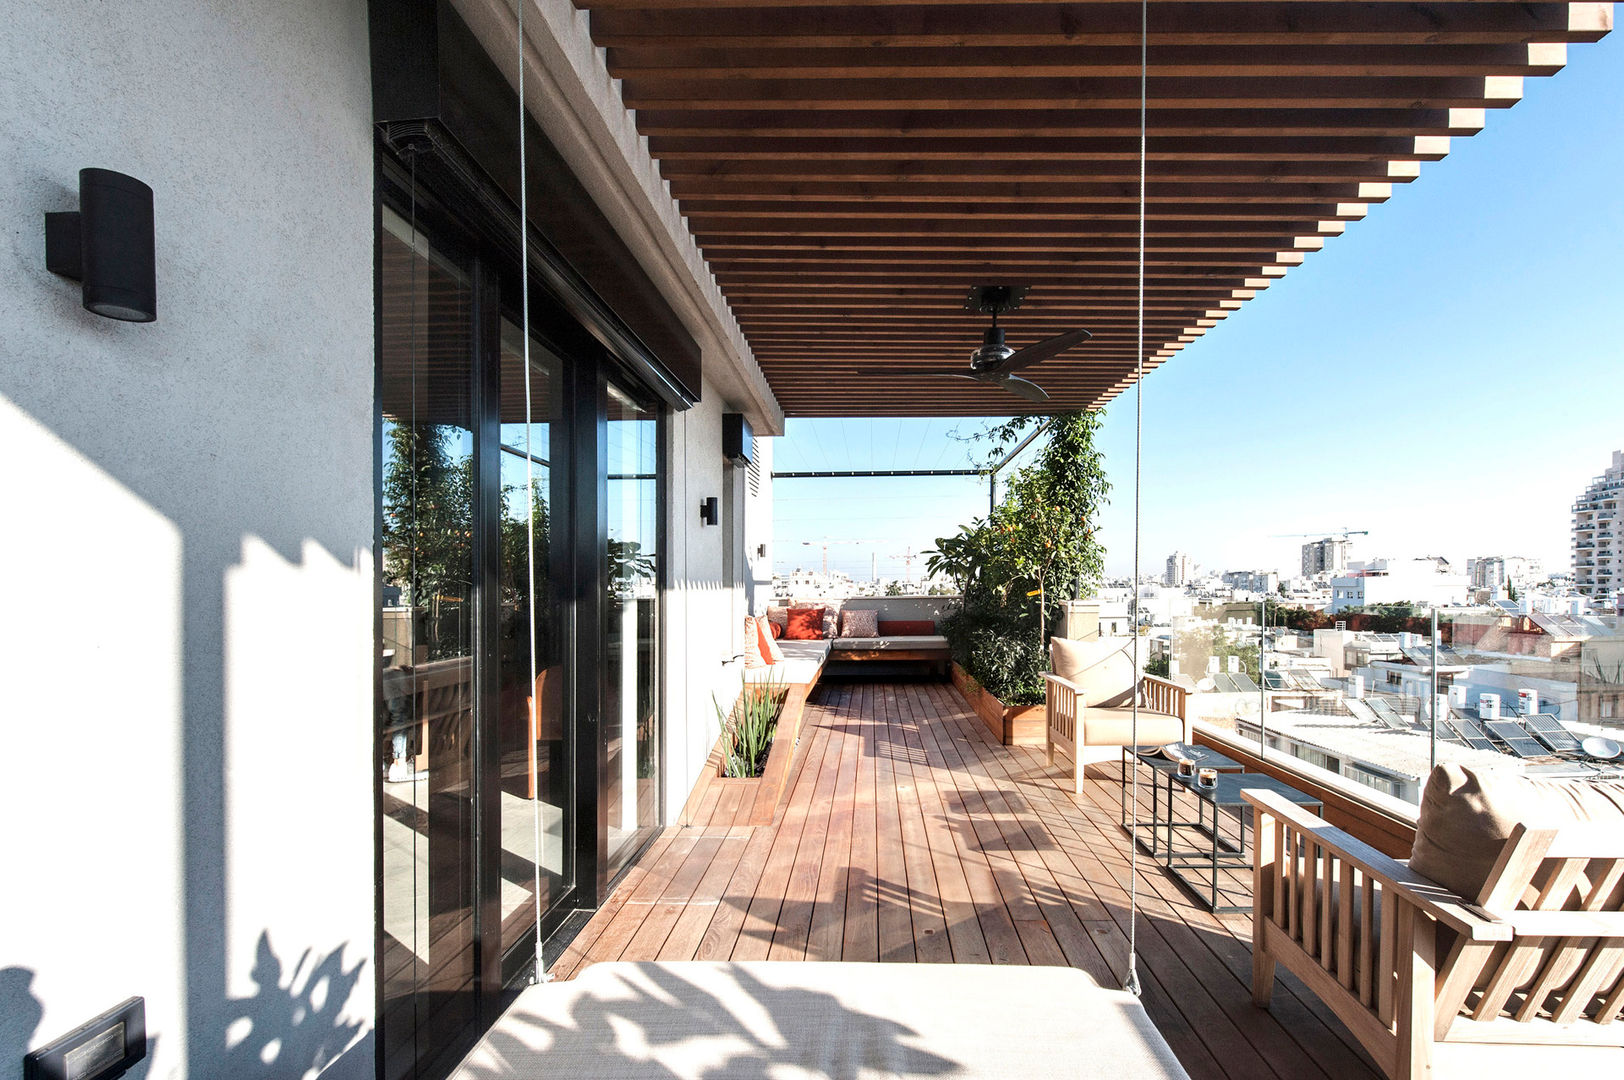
column 907, row 834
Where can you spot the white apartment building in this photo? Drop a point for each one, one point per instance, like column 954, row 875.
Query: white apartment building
column 1495, row 572
column 1598, row 553
column 1327, row 556
column 1427, row 581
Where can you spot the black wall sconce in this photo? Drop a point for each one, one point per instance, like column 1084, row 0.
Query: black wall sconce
column 107, row 245
column 707, row 511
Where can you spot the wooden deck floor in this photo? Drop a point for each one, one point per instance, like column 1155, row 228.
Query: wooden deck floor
column 910, row 836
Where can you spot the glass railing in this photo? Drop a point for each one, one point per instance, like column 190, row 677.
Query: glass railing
column 1381, row 695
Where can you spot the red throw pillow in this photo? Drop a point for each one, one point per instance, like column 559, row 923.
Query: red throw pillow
column 805, row 624
column 907, row 628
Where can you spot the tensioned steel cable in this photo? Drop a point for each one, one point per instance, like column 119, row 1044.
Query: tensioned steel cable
column 411, row 333
column 1130, row 981
column 529, row 499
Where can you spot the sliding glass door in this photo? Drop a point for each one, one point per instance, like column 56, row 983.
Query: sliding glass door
column 519, row 567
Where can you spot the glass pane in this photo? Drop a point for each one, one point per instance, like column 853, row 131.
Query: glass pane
column 631, row 715
column 427, row 712
column 532, row 728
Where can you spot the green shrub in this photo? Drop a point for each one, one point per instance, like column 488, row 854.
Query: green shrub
column 747, row 732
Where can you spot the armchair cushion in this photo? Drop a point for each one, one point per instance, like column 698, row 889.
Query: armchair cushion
column 1102, row 670
column 1114, row 727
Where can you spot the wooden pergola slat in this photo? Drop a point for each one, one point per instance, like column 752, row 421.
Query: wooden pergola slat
column 850, row 168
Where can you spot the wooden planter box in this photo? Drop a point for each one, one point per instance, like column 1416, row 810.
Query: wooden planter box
column 762, row 793
column 1011, row 725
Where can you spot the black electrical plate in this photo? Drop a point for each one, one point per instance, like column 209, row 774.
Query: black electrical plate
column 99, row 1050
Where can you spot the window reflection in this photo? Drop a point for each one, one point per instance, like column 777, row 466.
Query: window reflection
column 631, row 719
column 427, row 707
column 532, row 728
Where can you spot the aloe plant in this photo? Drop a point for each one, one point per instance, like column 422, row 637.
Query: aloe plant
column 747, row 731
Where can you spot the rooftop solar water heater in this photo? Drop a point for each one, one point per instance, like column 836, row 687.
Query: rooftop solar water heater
column 1471, row 734
column 1549, row 730
column 1515, row 738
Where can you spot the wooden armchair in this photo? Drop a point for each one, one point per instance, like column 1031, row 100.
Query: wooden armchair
column 1420, row 975
column 1072, row 726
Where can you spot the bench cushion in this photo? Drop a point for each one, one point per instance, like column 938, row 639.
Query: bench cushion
column 801, row 662
column 867, row 644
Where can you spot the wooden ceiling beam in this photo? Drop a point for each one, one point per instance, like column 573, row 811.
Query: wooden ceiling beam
column 1024, row 123
column 668, row 60
column 771, row 147
column 1014, row 191
column 629, row 24
column 1048, row 172
column 822, row 230
column 721, row 91
column 727, row 214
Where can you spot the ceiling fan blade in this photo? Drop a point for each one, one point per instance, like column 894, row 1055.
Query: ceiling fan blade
column 1031, row 391
column 1044, row 349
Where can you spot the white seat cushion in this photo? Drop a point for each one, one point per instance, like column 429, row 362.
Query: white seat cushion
column 802, row 659
column 864, row 644
column 799, row 1021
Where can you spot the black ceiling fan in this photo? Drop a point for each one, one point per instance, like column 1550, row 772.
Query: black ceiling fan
column 995, row 363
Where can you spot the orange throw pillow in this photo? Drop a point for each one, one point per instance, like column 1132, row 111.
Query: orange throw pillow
column 768, row 645
column 777, row 629
column 805, row 624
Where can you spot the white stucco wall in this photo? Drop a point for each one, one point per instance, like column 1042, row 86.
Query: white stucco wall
column 701, row 608
column 187, row 638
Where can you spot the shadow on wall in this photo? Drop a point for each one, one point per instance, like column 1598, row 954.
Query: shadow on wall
column 20, row 1014
column 220, row 504
column 660, row 1026
column 294, row 1024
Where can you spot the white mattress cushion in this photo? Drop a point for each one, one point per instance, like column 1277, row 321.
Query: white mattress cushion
column 799, row 1021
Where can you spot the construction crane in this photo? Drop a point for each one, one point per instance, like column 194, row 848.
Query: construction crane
column 824, row 544
column 907, row 558
column 1326, row 533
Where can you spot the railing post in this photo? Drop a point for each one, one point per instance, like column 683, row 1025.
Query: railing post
column 1264, row 877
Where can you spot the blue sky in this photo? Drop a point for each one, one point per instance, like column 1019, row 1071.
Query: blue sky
column 1448, row 374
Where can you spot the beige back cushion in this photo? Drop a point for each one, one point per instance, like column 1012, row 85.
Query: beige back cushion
column 1101, row 669
column 1468, row 814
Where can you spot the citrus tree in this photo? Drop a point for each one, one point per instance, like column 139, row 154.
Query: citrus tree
column 1036, row 549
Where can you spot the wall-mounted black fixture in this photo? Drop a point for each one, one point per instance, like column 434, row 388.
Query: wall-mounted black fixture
column 98, row 1050
column 761, row 551
column 707, row 511
column 737, row 439
column 107, row 245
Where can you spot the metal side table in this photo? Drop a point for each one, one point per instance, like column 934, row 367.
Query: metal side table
column 1199, row 869
column 1163, row 763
